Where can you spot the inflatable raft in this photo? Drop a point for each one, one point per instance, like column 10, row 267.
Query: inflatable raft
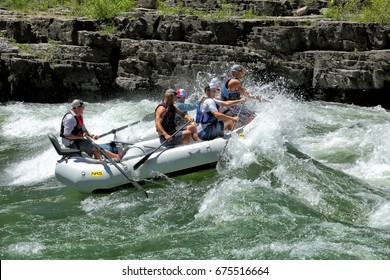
column 87, row 175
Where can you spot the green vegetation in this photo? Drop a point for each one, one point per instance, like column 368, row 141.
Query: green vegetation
column 354, row 10
column 225, row 11
column 347, row 10
column 178, row 9
column 103, row 9
column 94, row 9
column 249, row 14
column 31, row 6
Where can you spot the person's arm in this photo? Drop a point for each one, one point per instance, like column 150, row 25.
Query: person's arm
column 223, row 117
column 93, row 136
column 187, row 106
column 232, row 102
column 236, row 84
column 184, row 116
column 211, row 107
column 258, row 98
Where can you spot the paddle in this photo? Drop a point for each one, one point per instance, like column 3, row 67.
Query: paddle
column 234, row 125
column 135, row 183
column 145, row 158
column 148, row 117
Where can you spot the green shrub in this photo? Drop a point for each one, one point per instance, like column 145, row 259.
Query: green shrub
column 354, row 10
column 376, row 11
column 249, row 14
column 178, row 9
column 34, row 5
column 103, row 9
column 96, row 9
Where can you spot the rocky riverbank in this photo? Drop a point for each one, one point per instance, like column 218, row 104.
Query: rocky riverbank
column 48, row 59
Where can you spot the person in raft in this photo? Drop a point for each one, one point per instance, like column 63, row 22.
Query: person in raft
column 165, row 122
column 182, row 95
column 211, row 122
column 232, row 89
column 73, row 132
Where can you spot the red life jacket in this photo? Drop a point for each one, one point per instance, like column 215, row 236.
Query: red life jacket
column 78, row 129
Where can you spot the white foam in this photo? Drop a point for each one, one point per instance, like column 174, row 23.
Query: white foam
column 33, row 169
column 26, row 248
column 221, row 202
column 380, row 218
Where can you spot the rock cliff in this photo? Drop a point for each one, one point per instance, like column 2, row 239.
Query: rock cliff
column 47, row 59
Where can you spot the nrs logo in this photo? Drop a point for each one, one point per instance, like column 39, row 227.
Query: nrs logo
column 96, row 173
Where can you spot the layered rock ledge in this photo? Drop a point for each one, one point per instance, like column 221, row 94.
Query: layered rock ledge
column 47, row 59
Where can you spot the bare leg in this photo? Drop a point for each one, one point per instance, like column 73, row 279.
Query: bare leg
column 110, row 154
column 228, row 125
column 194, row 132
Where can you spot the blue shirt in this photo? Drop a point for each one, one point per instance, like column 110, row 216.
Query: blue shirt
column 185, row 107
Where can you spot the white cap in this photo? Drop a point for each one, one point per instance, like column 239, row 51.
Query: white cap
column 213, row 86
column 78, row 103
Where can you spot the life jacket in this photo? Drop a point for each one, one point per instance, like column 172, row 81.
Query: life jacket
column 77, row 130
column 227, row 94
column 204, row 118
column 169, row 118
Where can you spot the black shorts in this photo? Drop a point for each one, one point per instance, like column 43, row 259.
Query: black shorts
column 176, row 140
column 83, row 145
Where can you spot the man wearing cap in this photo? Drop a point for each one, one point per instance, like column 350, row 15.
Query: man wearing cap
column 184, row 107
column 232, row 89
column 165, row 122
column 73, row 131
column 211, row 122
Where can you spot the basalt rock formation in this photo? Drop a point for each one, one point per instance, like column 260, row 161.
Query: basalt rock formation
column 47, row 59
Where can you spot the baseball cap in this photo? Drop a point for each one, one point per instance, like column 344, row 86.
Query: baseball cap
column 78, row 103
column 215, row 81
column 236, row 68
column 181, row 93
column 213, row 86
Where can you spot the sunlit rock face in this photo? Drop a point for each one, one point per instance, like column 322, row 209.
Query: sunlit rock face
column 46, row 59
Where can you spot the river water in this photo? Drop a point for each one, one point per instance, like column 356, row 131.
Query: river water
column 310, row 180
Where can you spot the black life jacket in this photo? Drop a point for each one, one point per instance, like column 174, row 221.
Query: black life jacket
column 77, row 130
column 169, row 118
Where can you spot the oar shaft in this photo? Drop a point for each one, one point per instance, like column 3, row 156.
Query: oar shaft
column 135, row 183
column 145, row 158
column 148, row 117
column 234, row 125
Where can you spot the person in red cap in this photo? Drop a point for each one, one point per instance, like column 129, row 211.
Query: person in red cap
column 73, row 131
column 183, row 106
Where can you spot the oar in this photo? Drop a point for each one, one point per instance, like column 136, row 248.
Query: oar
column 148, row 117
column 135, row 183
column 234, row 125
column 145, row 158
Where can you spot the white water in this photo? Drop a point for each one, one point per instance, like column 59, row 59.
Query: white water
column 348, row 138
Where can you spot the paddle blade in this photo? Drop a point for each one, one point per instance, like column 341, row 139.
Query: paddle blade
column 142, row 161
